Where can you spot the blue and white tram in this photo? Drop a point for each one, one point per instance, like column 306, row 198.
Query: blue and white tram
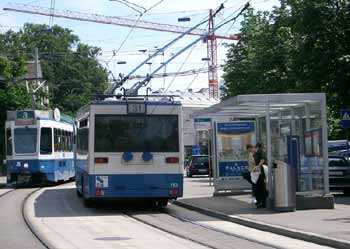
column 130, row 148
column 39, row 146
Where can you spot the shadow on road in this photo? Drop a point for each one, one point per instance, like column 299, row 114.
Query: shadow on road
column 63, row 202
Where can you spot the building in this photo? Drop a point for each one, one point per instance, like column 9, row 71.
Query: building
column 191, row 101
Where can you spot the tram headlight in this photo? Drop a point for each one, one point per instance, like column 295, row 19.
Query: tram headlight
column 25, row 165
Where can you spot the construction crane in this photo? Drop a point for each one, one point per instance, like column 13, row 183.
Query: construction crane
column 126, row 22
column 134, row 89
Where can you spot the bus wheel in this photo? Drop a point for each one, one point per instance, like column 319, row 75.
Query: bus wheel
column 78, row 193
column 88, row 202
column 161, row 203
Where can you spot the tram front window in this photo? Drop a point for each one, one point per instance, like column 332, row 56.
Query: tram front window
column 25, row 140
column 157, row 133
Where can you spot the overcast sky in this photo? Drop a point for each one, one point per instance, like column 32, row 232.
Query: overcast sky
column 110, row 37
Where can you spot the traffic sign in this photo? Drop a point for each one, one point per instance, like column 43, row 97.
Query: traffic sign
column 345, row 118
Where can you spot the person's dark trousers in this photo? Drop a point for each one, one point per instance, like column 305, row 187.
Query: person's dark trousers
column 260, row 192
column 246, row 175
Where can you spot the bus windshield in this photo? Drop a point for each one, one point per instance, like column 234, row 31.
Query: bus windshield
column 25, row 140
column 116, row 133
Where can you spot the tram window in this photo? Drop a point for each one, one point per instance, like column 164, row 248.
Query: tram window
column 83, row 123
column 56, row 139
column 46, row 141
column 61, row 143
column 64, row 140
column 83, row 141
column 71, row 141
column 25, row 140
column 8, row 142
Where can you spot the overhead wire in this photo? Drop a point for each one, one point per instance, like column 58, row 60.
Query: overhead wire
column 129, row 5
column 180, row 68
column 221, row 42
column 132, row 28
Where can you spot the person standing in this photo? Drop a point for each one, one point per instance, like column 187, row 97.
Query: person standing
column 251, row 162
column 259, row 188
column 251, row 165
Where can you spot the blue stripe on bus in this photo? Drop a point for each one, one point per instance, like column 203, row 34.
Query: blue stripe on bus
column 132, row 185
column 54, row 169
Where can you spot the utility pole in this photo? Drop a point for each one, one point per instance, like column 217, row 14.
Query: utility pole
column 34, row 83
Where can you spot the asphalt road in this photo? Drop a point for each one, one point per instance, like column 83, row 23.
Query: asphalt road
column 14, row 233
column 62, row 219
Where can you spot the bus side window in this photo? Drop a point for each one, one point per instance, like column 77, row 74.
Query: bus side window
column 8, row 142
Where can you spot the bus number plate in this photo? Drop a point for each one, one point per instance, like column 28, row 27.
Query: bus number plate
column 136, row 108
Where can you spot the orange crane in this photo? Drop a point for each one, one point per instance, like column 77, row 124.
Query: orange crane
column 126, row 22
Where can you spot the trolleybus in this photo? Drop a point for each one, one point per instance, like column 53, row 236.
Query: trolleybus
column 130, row 148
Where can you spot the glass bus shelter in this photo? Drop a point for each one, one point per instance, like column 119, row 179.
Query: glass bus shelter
column 294, row 129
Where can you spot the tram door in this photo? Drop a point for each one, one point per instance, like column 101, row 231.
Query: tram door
column 293, row 147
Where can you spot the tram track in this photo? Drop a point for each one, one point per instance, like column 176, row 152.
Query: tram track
column 108, row 224
column 179, row 235
column 190, row 233
column 3, row 194
column 22, row 225
column 26, row 221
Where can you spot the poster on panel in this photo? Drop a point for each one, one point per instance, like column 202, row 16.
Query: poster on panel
column 231, row 155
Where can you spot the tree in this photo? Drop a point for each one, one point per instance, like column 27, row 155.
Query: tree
column 302, row 46
column 69, row 66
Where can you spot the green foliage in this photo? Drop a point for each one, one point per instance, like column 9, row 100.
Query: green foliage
column 301, row 46
column 70, row 67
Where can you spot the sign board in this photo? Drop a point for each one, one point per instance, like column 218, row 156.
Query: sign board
column 202, row 123
column 231, row 155
column 345, row 118
column 25, row 118
column 136, row 108
column 196, row 150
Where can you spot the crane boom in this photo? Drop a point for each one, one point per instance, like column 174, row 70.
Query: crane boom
column 113, row 20
column 126, row 22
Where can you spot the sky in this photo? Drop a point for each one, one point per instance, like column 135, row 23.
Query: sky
column 122, row 44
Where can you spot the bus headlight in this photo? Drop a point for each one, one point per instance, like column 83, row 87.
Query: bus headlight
column 25, row 165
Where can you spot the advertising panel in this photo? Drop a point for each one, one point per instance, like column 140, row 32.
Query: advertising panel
column 231, row 155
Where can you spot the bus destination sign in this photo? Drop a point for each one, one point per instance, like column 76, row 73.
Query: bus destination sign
column 25, row 117
column 136, row 108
